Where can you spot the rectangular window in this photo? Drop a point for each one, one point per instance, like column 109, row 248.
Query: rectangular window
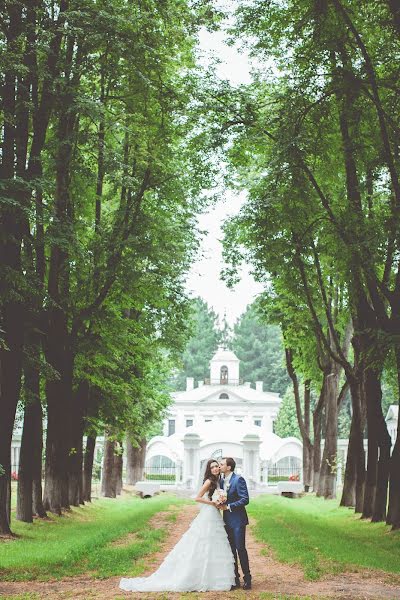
column 257, row 422
column 189, row 422
column 171, row 426
column 239, row 420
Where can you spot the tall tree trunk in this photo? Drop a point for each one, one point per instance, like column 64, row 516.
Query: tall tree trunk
column 28, row 443
column 393, row 515
column 328, row 490
column 88, row 468
column 118, row 466
column 37, row 491
column 76, row 425
column 379, row 443
column 10, row 252
column 109, row 482
column 304, row 424
column 308, row 449
column 354, row 478
column 59, row 343
column 317, row 426
column 135, row 460
column 58, row 394
column 372, row 456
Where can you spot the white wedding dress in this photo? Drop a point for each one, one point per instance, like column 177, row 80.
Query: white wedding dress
column 202, row 560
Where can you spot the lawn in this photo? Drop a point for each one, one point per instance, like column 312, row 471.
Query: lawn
column 321, row 537
column 81, row 540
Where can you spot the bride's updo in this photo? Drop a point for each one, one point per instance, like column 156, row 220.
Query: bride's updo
column 211, row 477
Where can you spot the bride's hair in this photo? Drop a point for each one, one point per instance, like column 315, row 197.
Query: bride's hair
column 211, row 477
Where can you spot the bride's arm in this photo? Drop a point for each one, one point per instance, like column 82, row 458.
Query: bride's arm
column 204, row 488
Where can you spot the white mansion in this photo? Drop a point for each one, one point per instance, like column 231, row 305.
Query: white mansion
column 222, row 417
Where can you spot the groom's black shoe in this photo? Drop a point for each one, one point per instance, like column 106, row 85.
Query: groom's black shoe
column 236, row 586
column 247, row 585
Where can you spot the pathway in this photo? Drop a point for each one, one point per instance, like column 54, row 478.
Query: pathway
column 270, row 578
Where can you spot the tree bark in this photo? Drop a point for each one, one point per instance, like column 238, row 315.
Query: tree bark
column 59, row 342
column 304, row 424
column 88, row 468
column 118, row 465
column 28, row 442
column 37, row 491
column 393, row 515
column 379, row 444
column 354, row 479
column 394, row 7
column 109, row 481
column 329, row 467
column 79, row 403
column 317, row 426
column 308, row 449
column 13, row 313
column 135, row 460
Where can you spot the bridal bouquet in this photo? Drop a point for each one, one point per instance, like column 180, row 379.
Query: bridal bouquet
column 219, row 496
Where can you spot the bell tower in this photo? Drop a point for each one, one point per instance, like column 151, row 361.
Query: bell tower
column 224, row 368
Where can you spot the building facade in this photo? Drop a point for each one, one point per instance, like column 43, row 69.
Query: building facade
column 222, row 416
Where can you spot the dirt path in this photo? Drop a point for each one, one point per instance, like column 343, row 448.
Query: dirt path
column 269, row 577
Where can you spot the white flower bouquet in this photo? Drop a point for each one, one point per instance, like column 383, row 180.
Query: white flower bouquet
column 219, row 496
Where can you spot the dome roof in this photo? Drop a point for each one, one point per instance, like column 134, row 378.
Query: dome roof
column 223, row 354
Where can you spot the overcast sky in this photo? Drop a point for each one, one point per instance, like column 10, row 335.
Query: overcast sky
column 204, row 279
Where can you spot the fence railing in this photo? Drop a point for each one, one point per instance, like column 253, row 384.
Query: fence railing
column 274, row 474
column 165, row 475
column 222, row 381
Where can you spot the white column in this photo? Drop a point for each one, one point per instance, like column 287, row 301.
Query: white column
column 191, row 459
column 251, row 458
column 178, row 471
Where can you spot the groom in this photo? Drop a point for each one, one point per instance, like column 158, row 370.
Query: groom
column 235, row 517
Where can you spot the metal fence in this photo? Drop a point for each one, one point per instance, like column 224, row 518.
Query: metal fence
column 164, row 475
column 274, row 474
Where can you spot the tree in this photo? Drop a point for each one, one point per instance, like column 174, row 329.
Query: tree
column 259, row 348
column 201, row 346
column 103, row 172
column 331, row 83
column 286, row 424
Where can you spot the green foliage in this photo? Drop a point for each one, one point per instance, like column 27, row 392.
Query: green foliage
column 201, row 346
column 286, row 424
column 259, row 348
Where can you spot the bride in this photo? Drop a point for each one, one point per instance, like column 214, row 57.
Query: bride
column 202, row 560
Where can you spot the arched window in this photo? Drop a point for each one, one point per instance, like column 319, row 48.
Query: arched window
column 217, row 453
column 224, row 396
column 160, row 462
column 224, row 375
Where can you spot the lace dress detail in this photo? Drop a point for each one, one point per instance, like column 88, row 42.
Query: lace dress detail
column 202, row 560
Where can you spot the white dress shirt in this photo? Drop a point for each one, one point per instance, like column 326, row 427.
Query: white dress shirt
column 227, row 479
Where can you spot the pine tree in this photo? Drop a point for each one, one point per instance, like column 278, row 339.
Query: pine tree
column 201, row 346
column 260, row 351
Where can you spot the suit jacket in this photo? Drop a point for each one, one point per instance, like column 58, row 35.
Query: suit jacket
column 238, row 497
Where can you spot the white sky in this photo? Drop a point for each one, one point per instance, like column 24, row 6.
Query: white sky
column 204, row 278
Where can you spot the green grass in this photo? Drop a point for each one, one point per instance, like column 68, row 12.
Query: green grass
column 323, row 538
column 81, row 541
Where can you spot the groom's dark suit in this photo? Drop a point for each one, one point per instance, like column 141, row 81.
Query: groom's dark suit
column 235, row 521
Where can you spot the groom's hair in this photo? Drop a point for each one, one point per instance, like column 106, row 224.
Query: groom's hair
column 230, row 462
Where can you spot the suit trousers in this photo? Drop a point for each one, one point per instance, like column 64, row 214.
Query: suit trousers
column 237, row 540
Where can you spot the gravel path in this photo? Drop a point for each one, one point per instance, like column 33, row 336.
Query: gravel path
column 270, row 577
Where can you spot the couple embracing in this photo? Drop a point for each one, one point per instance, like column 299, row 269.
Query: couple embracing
column 207, row 555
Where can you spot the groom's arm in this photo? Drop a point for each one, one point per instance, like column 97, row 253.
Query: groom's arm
column 242, row 493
